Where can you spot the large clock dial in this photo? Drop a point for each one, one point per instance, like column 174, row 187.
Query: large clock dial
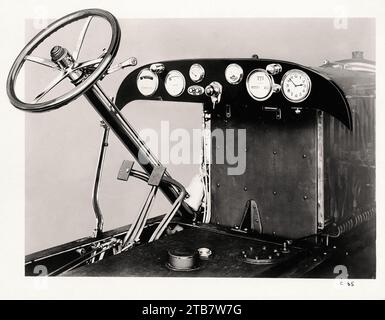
column 296, row 85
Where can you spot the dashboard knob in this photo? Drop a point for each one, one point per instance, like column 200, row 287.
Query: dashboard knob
column 214, row 90
column 209, row 90
column 157, row 68
column 274, row 68
column 276, row 88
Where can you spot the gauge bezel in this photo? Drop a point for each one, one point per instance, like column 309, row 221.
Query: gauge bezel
column 284, row 77
column 271, row 84
column 155, row 77
column 184, row 82
column 241, row 75
column 202, row 75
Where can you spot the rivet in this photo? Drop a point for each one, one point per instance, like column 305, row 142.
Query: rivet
column 304, row 197
column 275, row 193
column 245, row 188
column 218, row 185
column 304, row 156
column 274, row 152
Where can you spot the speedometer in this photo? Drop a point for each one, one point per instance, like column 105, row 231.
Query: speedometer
column 175, row 83
column 147, row 82
column 296, row 85
column 259, row 84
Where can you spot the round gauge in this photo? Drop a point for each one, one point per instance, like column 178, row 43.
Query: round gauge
column 234, row 73
column 147, row 82
column 259, row 84
column 175, row 83
column 197, row 73
column 295, row 85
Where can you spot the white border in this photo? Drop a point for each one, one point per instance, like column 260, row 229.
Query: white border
column 12, row 282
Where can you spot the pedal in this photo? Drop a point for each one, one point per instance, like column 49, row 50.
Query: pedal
column 156, row 176
column 125, row 169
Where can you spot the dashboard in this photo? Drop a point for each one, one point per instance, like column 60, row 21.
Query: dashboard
column 262, row 84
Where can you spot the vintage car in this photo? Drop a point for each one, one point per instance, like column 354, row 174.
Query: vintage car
column 303, row 204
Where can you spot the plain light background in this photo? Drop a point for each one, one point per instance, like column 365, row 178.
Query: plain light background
column 62, row 146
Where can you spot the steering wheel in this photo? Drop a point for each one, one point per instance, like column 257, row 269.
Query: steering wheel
column 82, row 74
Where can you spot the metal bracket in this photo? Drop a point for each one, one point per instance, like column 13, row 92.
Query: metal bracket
column 125, row 169
column 251, row 219
column 228, row 111
column 278, row 113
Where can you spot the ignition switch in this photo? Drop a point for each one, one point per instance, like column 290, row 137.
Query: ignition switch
column 214, row 90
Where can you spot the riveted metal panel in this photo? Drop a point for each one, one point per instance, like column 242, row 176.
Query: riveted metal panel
column 281, row 173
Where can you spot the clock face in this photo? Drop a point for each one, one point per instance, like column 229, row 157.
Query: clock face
column 295, row 85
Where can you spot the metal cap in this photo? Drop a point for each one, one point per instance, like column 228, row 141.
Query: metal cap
column 57, row 53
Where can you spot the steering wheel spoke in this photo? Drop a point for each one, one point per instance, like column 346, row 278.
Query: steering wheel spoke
column 51, row 85
column 42, row 61
column 81, row 38
column 88, row 64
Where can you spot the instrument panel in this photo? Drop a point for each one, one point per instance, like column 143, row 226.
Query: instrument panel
column 255, row 83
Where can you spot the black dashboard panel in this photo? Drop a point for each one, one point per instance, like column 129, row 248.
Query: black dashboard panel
column 325, row 94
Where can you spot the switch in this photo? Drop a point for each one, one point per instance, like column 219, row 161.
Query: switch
column 214, row 90
column 157, row 68
column 274, row 68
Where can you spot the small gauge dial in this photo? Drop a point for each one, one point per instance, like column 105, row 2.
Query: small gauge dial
column 197, row 72
column 234, row 73
column 175, row 83
column 296, row 85
column 259, row 84
column 147, row 82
